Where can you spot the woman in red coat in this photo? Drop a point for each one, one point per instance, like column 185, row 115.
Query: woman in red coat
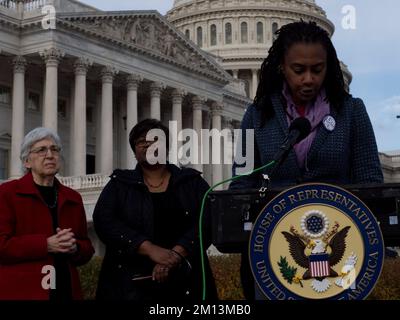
column 43, row 232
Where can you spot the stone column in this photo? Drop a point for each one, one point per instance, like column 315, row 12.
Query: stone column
column 254, row 83
column 177, row 100
column 132, row 82
column 43, row 71
column 52, row 57
column 206, row 146
column 176, row 126
column 69, row 166
column 228, row 150
column 155, row 105
column 198, row 103
column 216, row 146
column 78, row 145
column 106, row 133
column 98, row 127
column 18, row 115
column 235, row 74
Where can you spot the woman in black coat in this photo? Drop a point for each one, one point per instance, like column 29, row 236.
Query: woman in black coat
column 148, row 220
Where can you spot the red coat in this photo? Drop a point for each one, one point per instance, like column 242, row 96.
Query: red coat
column 25, row 225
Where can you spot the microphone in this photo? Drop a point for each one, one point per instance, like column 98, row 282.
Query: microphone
column 299, row 129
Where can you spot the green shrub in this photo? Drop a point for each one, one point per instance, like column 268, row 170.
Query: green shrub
column 227, row 276
column 89, row 274
column 388, row 286
column 226, row 270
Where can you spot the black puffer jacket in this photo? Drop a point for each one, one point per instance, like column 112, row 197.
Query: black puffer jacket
column 123, row 219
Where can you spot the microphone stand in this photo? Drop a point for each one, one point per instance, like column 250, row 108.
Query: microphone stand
column 299, row 129
column 279, row 157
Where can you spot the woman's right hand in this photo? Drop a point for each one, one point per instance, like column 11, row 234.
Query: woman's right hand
column 160, row 255
column 160, row 273
column 62, row 242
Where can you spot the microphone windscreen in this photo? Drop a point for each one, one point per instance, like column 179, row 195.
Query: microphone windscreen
column 302, row 125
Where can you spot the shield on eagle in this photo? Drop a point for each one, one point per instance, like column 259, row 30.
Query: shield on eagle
column 319, row 265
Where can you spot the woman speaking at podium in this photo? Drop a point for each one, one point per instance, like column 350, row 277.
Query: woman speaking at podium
column 302, row 77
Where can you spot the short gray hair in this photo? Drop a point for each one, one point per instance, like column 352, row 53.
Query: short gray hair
column 34, row 136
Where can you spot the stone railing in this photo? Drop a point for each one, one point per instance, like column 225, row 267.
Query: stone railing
column 26, row 5
column 390, row 160
column 192, row 6
column 34, row 4
column 180, row 2
column 93, row 181
column 8, row 4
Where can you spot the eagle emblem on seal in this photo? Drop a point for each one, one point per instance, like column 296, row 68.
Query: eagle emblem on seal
column 317, row 249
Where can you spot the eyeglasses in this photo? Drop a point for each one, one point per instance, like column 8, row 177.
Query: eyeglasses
column 143, row 143
column 42, row 151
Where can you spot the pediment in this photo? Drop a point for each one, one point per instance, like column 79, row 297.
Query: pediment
column 148, row 32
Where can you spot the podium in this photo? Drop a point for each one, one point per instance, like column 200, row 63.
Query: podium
column 234, row 211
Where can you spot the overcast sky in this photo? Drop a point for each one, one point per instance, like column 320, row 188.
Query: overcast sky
column 371, row 51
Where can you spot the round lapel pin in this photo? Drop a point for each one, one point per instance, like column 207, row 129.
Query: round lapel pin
column 329, row 123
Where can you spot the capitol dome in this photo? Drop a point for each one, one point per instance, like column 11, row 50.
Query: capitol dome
column 240, row 32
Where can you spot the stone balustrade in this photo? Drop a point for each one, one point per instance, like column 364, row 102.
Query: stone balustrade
column 8, row 4
column 34, row 4
column 392, row 160
column 27, row 5
column 93, row 181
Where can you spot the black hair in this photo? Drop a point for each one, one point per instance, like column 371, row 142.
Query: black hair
column 143, row 127
column 271, row 77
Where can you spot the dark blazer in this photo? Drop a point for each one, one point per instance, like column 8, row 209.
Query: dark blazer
column 348, row 154
column 25, row 225
column 123, row 219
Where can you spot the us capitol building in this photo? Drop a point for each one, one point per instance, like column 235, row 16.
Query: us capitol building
column 240, row 32
column 91, row 75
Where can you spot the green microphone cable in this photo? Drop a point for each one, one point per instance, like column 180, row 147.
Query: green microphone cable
column 201, row 218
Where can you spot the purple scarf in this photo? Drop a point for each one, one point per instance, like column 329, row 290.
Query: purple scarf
column 314, row 112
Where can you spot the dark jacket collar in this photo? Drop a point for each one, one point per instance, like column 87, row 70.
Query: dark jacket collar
column 136, row 176
column 26, row 186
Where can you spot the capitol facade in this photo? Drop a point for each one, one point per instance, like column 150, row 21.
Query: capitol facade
column 91, row 75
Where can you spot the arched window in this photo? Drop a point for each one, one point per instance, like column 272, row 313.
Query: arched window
column 228, row 33
column 260, row 32
column 213, row 34
column 243, row 32
column 274, row 30
column 200, row 36
column 187, row 34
